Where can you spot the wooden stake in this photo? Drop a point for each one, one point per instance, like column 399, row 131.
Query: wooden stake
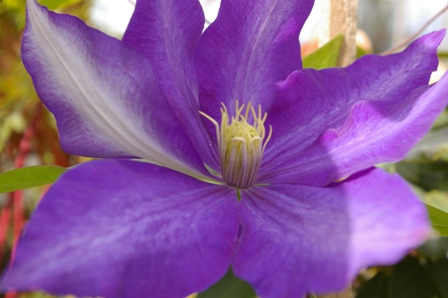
column 343, row 20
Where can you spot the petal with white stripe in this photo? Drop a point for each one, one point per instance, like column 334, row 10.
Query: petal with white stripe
column 104, row 94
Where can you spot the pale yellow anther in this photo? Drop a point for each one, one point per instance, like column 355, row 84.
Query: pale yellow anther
column 241, row 145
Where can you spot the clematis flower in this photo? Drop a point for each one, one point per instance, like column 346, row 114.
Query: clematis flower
column 220, row 151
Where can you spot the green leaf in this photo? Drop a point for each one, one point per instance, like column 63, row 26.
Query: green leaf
column 439, row 220
column 54, row 4
column 29, row 177
column 437, row 199
column 437, row 205
column 229, row 286
column 326, row 56
column 360, row 52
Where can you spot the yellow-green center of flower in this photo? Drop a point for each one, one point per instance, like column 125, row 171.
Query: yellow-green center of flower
column 241, row 144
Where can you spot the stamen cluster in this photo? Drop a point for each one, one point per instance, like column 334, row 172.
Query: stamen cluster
column 241, row 145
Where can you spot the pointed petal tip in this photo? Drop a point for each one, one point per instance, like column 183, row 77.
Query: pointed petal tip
column 402, row 75
column 429, row 42
column 437, row 35
column 100, row 92
column 35, row 7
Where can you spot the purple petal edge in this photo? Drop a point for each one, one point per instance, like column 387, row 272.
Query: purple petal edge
column 167, row 32
column 246, row 50
column 297, row 239
column 117, row 228
column 332, row 123
column 104, row 94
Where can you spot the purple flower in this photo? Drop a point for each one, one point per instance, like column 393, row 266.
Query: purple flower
column 241, row 153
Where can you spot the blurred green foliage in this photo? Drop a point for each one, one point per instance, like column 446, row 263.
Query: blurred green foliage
column 27, row 130
column 411, row 278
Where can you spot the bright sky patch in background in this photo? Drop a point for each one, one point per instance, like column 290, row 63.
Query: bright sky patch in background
column 113, row 16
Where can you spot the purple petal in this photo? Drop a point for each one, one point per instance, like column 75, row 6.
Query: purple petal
column 126, row 229
column 250, row 46
column 167, row 33
column 332, row 123
column 104, row 95
column 296, row 239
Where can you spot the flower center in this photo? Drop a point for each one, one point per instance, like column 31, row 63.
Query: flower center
column 241, row 145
